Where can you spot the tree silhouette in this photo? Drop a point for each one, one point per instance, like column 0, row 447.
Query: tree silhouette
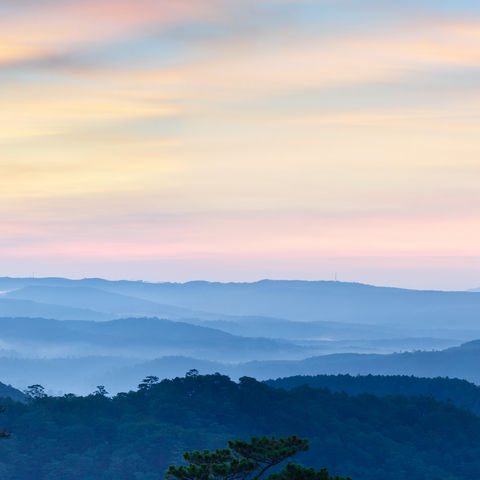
column 100, row 391
column 34, row 392
column 297, row 472
column 248, row 461
column 147, row 383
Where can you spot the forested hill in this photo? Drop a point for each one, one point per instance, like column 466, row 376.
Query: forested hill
column 135, row 435
column 6, row 391
column 456, row 362
column 462, row 393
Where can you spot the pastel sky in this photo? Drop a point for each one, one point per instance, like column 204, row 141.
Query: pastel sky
column 241, row 139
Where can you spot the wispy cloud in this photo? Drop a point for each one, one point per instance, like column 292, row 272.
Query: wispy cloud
column 192, row 127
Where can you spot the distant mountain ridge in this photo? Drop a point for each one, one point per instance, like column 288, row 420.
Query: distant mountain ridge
column 291, row 300
column 136, row 337
column 264, row 329
column 120, row 373
column 11, row 307
column 458, row 362
column 68, row 303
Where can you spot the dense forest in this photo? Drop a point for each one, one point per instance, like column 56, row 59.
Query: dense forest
column 461, row 393
column 137, row 435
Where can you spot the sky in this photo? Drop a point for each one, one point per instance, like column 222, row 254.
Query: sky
column 238, row 140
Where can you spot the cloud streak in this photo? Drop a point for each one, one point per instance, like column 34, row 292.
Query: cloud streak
column 261, row 129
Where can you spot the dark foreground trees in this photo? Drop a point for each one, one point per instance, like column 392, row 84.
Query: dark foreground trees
column 137, row 435
column 248, row 461
column 3, row 432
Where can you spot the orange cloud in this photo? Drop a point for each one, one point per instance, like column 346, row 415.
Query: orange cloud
column 90, row 155
column 53, row 29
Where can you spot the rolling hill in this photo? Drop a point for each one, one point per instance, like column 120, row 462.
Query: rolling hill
column 318, row 301
column 122, row 372
column 105, row 304
column 136, row 337
column 290, row 300
column 462, row 393
column 10, row 307
column 457, row 362
column 7, row 391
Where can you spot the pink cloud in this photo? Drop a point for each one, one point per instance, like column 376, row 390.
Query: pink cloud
column 121, row 15
column 279, row 237
column 52, row 29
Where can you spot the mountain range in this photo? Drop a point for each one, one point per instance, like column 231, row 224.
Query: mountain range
column 120, row 373
column 135, row 337
column 291, row 300
column 75, row 334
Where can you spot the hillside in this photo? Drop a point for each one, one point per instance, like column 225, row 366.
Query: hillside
column 256, row 326
column 457, row 362
column 309, row 301
column 79, row 358
column 462, row 393
column 136, row 435
column 137, row 337
column 290, row 300
column 11, row 307
column 110, row 304
column 7, row 391
column 265, row 329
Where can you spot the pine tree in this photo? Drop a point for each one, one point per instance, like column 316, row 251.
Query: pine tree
column 248, row 461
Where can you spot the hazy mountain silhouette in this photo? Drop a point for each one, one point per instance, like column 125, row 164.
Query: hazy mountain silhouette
column 457, row 362
column 308, row 301
column 290, row 300
column 111, row 304
column 7, row 391
column 136, row 337
column 264, row 329
column 334, row 334
column 10, row 307
column 121, row 373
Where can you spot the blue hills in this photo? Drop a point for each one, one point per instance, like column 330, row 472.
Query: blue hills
column 52, row 329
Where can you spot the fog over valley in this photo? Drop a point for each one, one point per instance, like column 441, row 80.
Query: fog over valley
column 71, row 335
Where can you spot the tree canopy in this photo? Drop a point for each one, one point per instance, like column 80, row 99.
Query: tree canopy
column 136, row 435
column 3, row 432
column 248, row 460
